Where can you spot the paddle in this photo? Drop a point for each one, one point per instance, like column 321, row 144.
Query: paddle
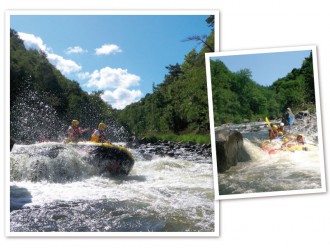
column 268, row 123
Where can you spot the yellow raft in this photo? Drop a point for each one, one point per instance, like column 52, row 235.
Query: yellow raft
column 276, row 145
column 116, row 160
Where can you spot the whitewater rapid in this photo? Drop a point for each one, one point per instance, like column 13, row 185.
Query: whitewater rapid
column 282, row 171
column 62, row 192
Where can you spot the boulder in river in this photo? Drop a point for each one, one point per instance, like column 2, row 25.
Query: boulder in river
column 12, row 143
column 229, row 149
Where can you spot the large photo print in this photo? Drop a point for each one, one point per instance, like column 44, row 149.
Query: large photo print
column 109, row 125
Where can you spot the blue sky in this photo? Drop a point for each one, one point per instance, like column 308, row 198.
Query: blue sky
column 120, row 54
column 265, row 67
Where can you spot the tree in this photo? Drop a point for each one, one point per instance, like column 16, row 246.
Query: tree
column 201, row 39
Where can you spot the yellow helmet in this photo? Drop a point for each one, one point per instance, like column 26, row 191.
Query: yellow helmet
column 75, row 123
column 300, row 135
column 285, row 140
column 280, row 133
column 102, row 125
column 274, row 127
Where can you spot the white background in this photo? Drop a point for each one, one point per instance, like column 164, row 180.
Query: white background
column 282, row 221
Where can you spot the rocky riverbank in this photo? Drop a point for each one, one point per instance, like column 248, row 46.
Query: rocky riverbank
column 189, row 151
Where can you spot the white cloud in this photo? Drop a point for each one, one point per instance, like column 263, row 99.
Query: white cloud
column 32, row 42
column 83, row 75
column 65, row 66
column 121, row 97
column 75, row 49
column 107, row 49
column 115, row 78
column 112, row 78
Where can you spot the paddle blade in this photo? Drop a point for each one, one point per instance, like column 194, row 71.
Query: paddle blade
column 268, row 123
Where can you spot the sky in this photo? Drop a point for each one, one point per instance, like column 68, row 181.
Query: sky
column 123, row 55
column 266, row 68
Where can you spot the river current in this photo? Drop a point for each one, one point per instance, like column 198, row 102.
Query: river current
column 56, row 190
column 283, row 171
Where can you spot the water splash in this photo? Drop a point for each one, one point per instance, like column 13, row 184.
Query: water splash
column 160, row 195
column 32, row 118
column 282, row 171
column 52, row 162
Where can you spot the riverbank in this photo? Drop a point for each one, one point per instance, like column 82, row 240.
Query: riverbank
column 178, row 138
column 188, row 151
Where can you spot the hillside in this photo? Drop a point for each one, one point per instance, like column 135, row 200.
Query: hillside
column 179, row 104
column 43, row 102
column 237, row 98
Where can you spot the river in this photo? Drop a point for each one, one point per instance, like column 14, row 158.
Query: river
column 56, row 190
column 283, row 171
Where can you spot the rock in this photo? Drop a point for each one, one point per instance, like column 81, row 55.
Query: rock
column 12, row 143
column 171, row 154
column 229, row 146
column 175, row 149
column 302, row 114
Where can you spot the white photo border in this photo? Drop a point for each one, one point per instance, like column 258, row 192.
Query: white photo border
column 208, row 57
column 8, row 14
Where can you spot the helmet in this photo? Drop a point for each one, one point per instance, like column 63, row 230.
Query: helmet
column 285, row 140
column 280, row 133
column 300, row 135
column 75, row 123
column 102, row 125
column 282, row 124
column 274, row 127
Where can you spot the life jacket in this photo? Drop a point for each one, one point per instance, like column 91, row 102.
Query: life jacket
column 99, row 138
column 301, row 141
column 102, row 136
column 273, row 134
column 281, row 129
column 74, row 133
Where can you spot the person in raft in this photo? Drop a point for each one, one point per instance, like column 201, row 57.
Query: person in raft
column 273, row 132
column 281, row 128
column 74, row 131
column 99, row 134
column 280, row 135
column 300, row 139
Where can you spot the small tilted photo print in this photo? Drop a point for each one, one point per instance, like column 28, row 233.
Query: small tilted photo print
column 266, row 118
column 109, row 124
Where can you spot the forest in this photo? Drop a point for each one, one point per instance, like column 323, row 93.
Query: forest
column 179, row 105
column 237, row 98
column 43, row 102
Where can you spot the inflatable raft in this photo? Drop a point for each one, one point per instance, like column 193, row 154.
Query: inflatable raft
column 275, row 146
column 116, row 160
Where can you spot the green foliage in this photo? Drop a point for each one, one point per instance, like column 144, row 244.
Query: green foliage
column 179, row 105
column 185, row 138
column 30, row 71
column 236, row 97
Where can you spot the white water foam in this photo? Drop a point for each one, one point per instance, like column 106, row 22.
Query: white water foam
column 165, row 186
column 265, row 172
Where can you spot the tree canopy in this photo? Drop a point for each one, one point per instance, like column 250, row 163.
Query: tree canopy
column 236, row 97
column 177, row 105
